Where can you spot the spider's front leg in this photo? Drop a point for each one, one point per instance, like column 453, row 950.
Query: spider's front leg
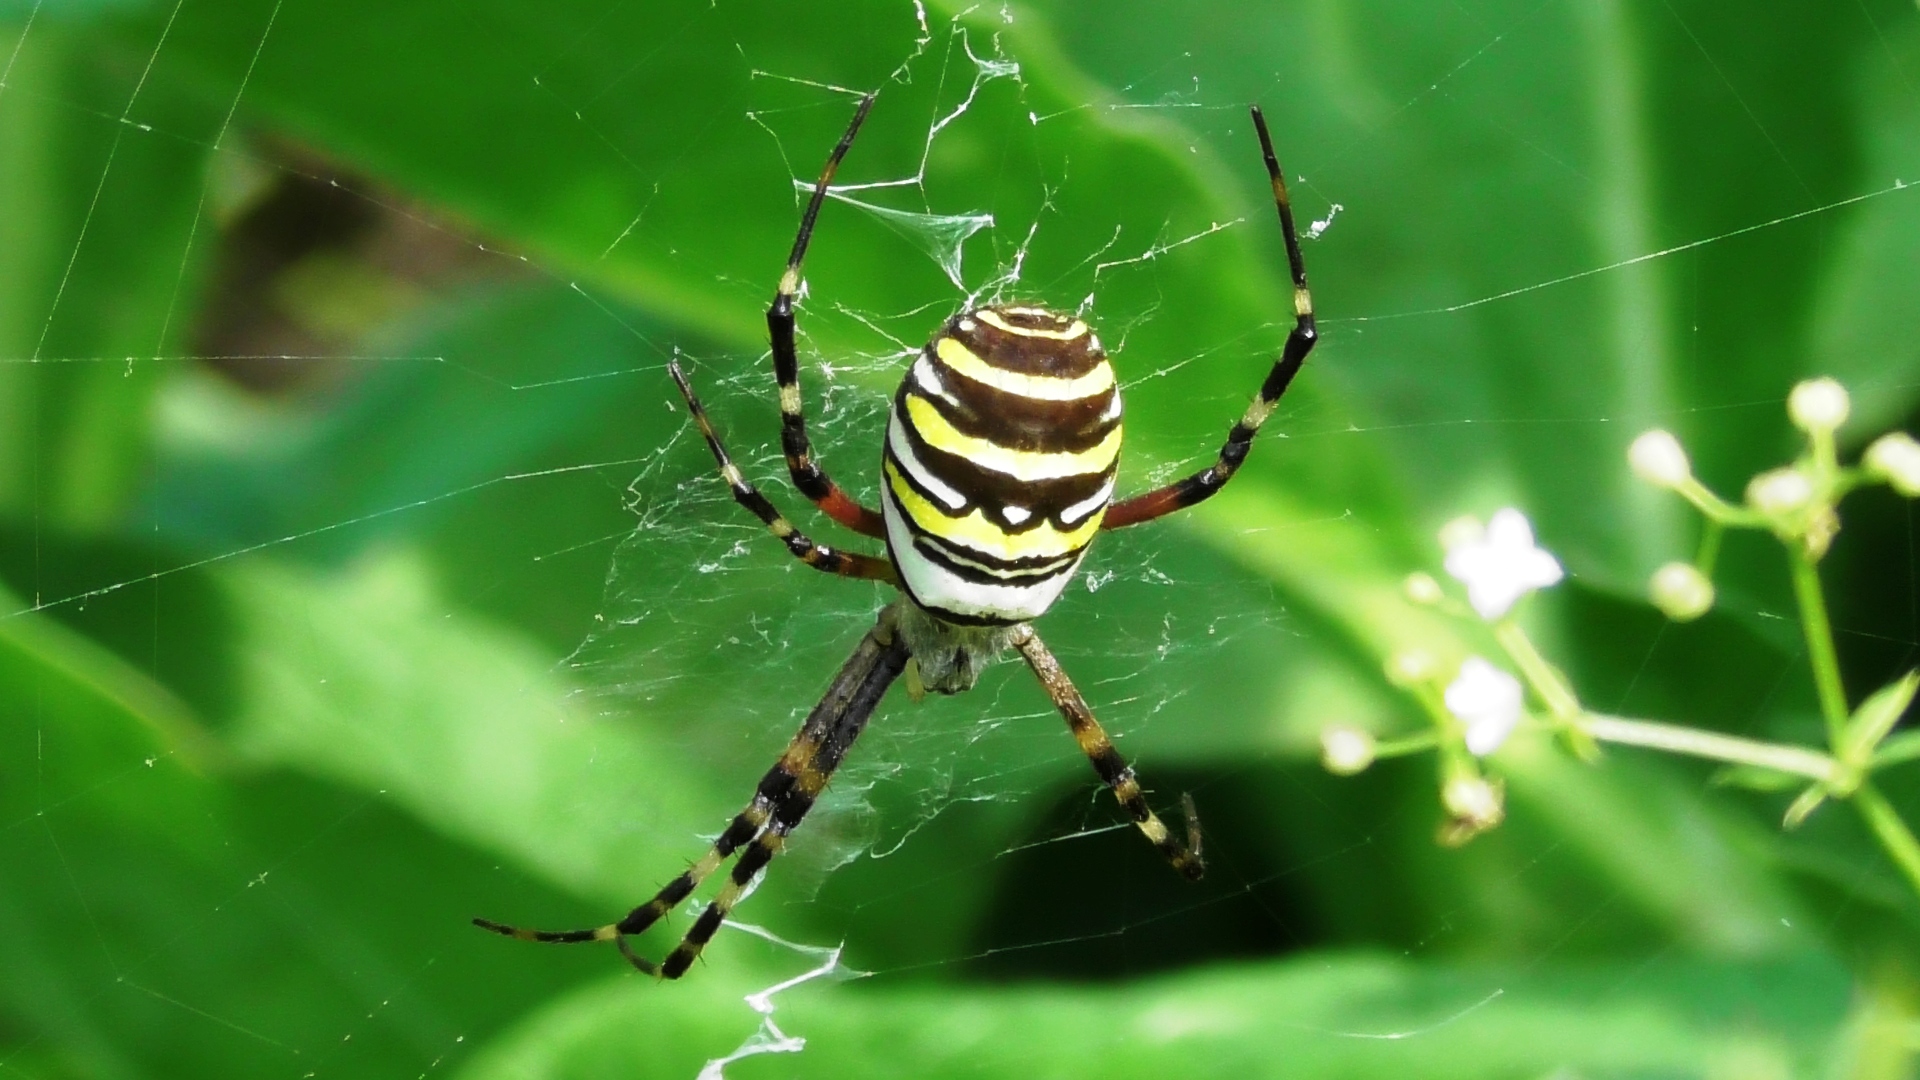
column 1182, row 855
column 808, row 476
column 1202, row 485
column 818, row 556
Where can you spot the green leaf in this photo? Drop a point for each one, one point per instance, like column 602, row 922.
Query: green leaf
column 1874, row 717
column 1757, row 778
column 168, row 914
column 1897, row 750
column 1331, row 1016
column 101, row 252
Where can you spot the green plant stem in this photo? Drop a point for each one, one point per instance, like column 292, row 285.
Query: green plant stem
column 1709, row 552
column 1546, row 681
column 1710, row 744
column 1717, row 509
column 1409, row 744
column 1891, row 831
column 1820, row 653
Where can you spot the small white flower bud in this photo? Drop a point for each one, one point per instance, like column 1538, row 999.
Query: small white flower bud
column 1657, row 457
column 1473, row 804
column 1818, row 405
column 1422, row 589
column 1345, row 749
column 1681, row 592
column 1779, row 491
column 1411, row 667
column 1461, row 531
column 1895, row 458
column 1473, row 800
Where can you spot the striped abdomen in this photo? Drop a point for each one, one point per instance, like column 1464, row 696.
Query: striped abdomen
column 1000, row 457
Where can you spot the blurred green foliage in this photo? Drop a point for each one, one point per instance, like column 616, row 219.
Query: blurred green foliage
column 361, row 579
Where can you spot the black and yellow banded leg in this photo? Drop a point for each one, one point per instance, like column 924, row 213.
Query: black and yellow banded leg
column 808, row 766
column 807, row 474
column 1201, row 485
column 784, row 796
column 1182, row 855
column 745, row 826
column 818, row 556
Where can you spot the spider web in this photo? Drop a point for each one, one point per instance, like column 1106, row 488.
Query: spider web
column 714, row 645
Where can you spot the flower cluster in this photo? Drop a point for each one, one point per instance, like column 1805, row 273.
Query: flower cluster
column 1475, row 705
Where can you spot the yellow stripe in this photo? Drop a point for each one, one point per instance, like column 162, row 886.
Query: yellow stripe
column 992, row 318
column 1040, row 387
column 1026, row 466
column 976, row 532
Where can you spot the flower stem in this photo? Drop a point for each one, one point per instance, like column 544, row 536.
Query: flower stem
column 1891, row 831
column 1546, row 681
column 1710, row 744
column 1819, row 633
column 1408, row 744
column 1709, row 552
column 1715, row 508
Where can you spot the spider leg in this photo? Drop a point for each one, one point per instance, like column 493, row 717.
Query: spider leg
column 1201, row 485
column 783, row 798
column 807, row 474
column 1182, row 855
column 819, row 556
column 809, row 764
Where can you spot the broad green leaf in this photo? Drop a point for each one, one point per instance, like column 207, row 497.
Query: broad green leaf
column 166, row 914
column 1332, row 1016
column 101, row 250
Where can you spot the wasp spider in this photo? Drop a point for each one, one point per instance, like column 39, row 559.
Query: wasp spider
column 998, row 469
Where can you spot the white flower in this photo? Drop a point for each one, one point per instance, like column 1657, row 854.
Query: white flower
column 1345, row 749
column 1657, row 457
column 1681, row 592
column 1487, row 701
column 1818, row 405
column 1895, row 458
column 1501, row 565
column 1779, row 491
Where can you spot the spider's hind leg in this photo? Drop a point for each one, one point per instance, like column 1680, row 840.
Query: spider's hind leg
column 786, row 793
column 745, row 826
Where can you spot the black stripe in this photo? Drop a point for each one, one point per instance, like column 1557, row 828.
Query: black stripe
column 985, row 487
column 1016, row 421
column 794, row 804
column 756, row 858
column 1031, row 569
column 700, row 933
column 1026, row 355
column 1109, row 764
column 1023, row 571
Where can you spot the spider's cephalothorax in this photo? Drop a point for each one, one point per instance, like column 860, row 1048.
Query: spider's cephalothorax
column 999, row 462
column 998, row 469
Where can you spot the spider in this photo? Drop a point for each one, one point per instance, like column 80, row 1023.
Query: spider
column 997, row 471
